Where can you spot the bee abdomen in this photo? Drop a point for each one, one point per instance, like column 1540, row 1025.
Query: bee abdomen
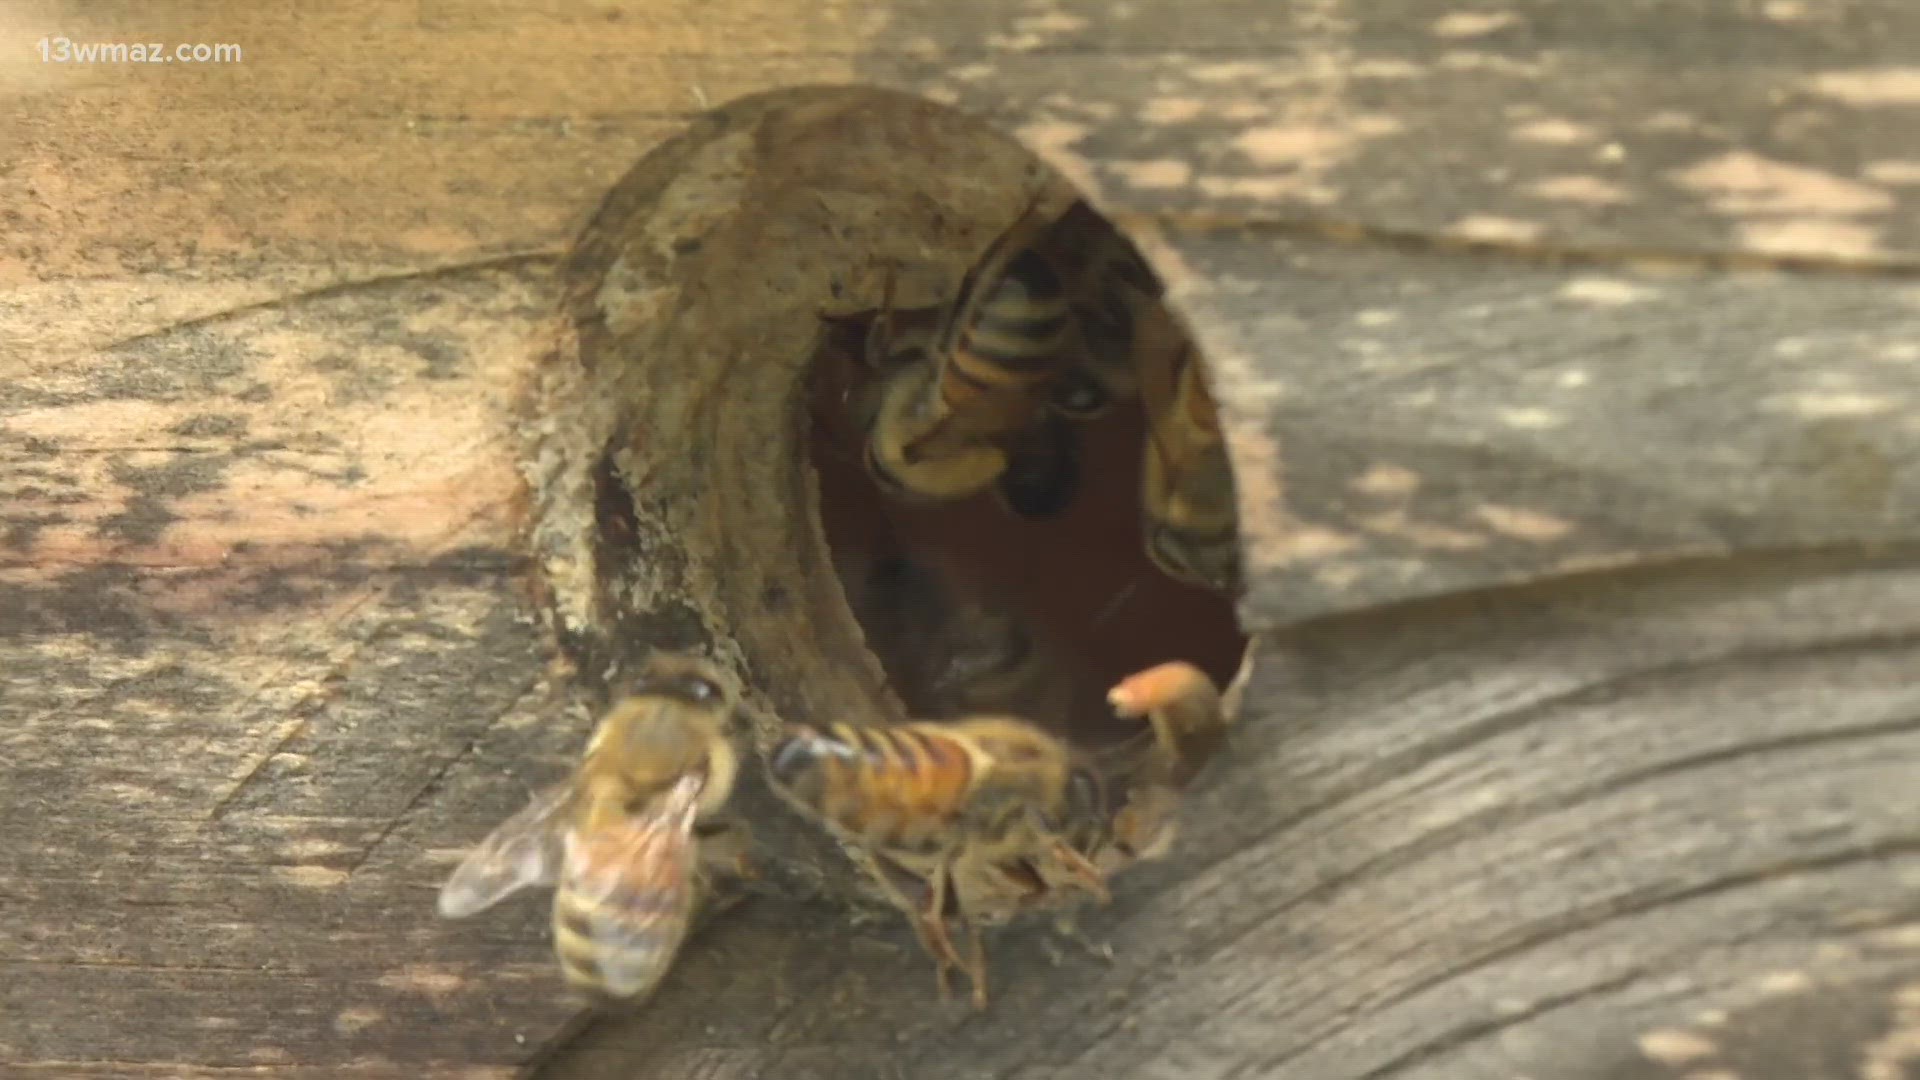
column 649, row 925
column 896, row 786
column 1017, row 331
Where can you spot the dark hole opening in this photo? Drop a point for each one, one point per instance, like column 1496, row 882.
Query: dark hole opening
column 955, row 595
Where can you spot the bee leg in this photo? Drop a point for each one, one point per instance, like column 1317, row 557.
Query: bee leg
column 1069, row 929
column 934, row 929
column 927, row 918
column 1088, row 874
column 977, row 964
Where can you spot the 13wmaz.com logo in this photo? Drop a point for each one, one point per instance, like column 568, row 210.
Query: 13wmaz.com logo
column 60, row 50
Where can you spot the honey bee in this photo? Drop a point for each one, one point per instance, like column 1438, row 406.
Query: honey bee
column 1187, row 499
column 931, row 806
column 1111, row 290
column 618, row 837
column 1187, row 726
column 939, row 421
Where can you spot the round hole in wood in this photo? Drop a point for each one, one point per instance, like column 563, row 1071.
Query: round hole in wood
column 695, row 449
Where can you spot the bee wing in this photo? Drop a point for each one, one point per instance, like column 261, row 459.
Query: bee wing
column 633, row 888
column 523, row 851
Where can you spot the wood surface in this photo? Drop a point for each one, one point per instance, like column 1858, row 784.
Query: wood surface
column 1568, row 358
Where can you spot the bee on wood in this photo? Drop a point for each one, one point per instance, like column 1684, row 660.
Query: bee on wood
column 1121, row 801
column 929, row 804
column 618, row 837
column 1188, row 508
column 941, row 421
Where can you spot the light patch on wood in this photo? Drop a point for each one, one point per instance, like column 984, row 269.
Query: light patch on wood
column 355, row 1020
column 1376, row 317
column 1498, row 63
column 1603, row 291
column 1053, row 141
column 1523, row 524
column 1905, row 352
column 427, row 980
column 1230, row 71
column 1871, row 86
column 1336, row 576
column 1051, row 23
column 1741, row 182
column 1493, row 228
column 1399, row 524
column 1306, row 543
column 1585, row 190
column 1782, row 983
column 1824, row 403
column 312, row 848
column 973, row 72
column 1786, row 11
column 1265, row 188
column 1172, row 110
column 1159, row 174
column 269, row 1055
column 1466, row 24
column 1713, row 1074
column 1675, row 1047
column 1892, row 1055
column 1532, row 419
column 1295, row 145
column 1822, row 236
column 1899, row 172
column 1897, row 937
column 1554, row 132
column 1015, row 42
column 310, row 877
column 1574, row 378
column 1387, row 481
column 1386, row 69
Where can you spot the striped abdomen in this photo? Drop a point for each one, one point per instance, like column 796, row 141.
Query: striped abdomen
column 624, row 900
column 893, row 787
column 1007, row 341
column 1187, row 489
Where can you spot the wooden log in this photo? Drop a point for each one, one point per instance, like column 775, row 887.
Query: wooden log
column 1479, row 292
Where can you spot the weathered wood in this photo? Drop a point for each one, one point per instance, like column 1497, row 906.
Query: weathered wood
column 266, row 668
column 1599, row 827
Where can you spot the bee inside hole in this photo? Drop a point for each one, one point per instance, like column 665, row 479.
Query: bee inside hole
column 1023, row 481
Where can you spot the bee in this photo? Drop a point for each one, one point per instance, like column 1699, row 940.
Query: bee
column 1121, row 801
column 1187, row 498
column 930, row 806
column 1187, row 724
column 619, row 837
column 1112, row 292
column 940, row 418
